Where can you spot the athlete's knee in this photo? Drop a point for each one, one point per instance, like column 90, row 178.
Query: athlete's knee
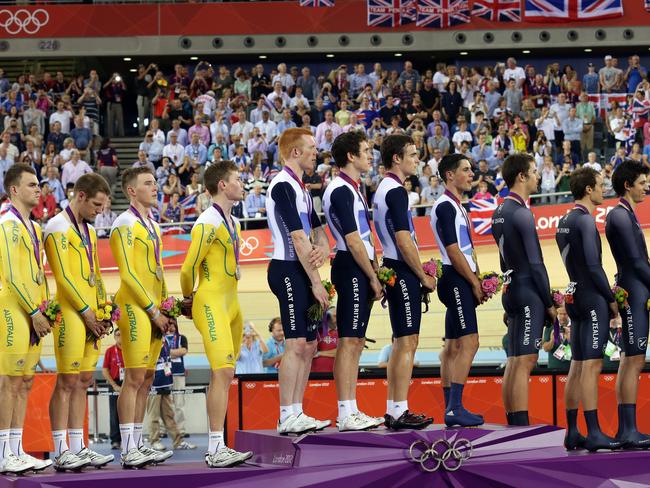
column 225, row 373
column 407, row 343
column 300, row 346
column 86, row 380
column 469, row 344
column 451, row 349
column 28, row 382
column 11, row 385
column 134, row 377
column 67, row 382
column 527, row 361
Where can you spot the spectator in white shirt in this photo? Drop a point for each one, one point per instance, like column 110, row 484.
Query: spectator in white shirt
column 592, row 162
column 268, row 128
column 617, row 126
column 74, row 169
column 242, row 127
column 181, row 134
column 299, row 97
column 514, row 72
column 285, row 79
column 548, row 122
column 462, row 134
column 256, row 113
column 327, row 124
column 414, row 198
column 68, row 147
column 219, row 127
column 277, row 93
column 174, row 151
column 12, row 151
column 104, row 220
column 62, row 116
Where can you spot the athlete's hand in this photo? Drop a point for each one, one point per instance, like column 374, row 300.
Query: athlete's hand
column 477, row 290
column 161, row 322
column 90, row 320
column 321, row 295
column 376, row 288
column 317, row 256
column 186, row 306
column 613, row 310
column 551, row 313
column 41, row 325
column 429, row 282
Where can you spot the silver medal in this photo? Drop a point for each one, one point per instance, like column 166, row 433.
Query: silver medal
column 40, row 277
column 238, row 273
column 159, row 273
column 91, row 279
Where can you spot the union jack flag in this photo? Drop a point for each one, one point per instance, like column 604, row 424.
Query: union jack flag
column 564, row 10
column 391, row 13
column 498, row 10
column 647, row 5
column 316, row 3
column 480, row 213
column 439, row 14
column 189, row 206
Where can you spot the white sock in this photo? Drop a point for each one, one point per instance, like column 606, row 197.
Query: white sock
column 345, row 409
column 126, row 432
column 353, row 405
column 285, row 412
column 60, row 442
column 5, row 446
column 16, row 441
column 297, row 408
column 389, row 407
column 215, row 441
column 76, row 437
column 399, row 408
column 137, row 435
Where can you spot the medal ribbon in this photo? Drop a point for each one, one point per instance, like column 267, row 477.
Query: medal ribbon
column 306, row 195
column 462, row 210
column 151, row 232
column 36, row 244
column 516, row 198
column 581, row 207
column 232, row 234
column 85, row 238
column 355, row 185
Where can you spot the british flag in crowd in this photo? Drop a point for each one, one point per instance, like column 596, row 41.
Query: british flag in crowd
column 439, row 14
column 647, row 5
column 316, row 3
column 391, row 13
column 480, row 214
column 498, row 10
column 563, row 10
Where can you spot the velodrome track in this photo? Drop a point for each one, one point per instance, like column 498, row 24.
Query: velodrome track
column 259, row 305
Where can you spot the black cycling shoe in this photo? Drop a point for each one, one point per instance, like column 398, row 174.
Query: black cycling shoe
column 410, row 421
column 634, row 440
column 388, row 420
column 574, row 441
column 601, row 441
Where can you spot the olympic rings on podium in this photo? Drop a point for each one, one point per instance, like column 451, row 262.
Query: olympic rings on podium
column 440, row 454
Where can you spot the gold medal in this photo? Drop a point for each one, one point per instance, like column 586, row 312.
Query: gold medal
column 40, row 277
column 238, row 272
column 159, row 273
column 91, row 279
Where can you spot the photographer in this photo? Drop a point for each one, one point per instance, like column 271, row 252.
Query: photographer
column 144, row 92
column 562, row 182
column 251, row 352
column 114, row 90
column 559, row 351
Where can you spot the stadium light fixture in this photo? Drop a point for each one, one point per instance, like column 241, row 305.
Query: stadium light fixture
column 588, row 50
column 464, row 53
column 194, row 58
column 398, row 55
column 329, row 55
column 526, row 51
column 133, row 70
column 262, row 56
column 127, row 59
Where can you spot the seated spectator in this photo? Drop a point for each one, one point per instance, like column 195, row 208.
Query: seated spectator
column 256, row 202
column 251, row 352
column 299, row 97
column 151, row 149
column 258, row 144
column 173, row 211
column 592, row 162
column 68, row 147
column 256, row 178
column 195, row 186
column 484, row 173
column 431, row 193
column 567, row 154
column 81, row 135
column 414, row 198
column 285, row 122
column 46, row 207
column 171, row 186
column 327, row 339
column 502, row 141
column 74, row 169
column 174, row 151
column 181, row 133
column 32, row 156
column 326, row 144
column 482, row 150
column 354, row 125
column 104, row 220
column 243, row 128
column 163, row 172
column 241, row 159
column 69, row 194
column 482, row 193
column 143, row 161
column 619, row 157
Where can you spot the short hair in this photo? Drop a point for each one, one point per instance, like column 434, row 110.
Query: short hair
column 626, row 172
column 15, row 173
column 290, row 139
column 92, row 184
column 450, row 162
column 580, row 179
column 514, row 165
column 347, row 143
column 274, row 321
column 218, row 172
column 131, row 174
column 392, row 145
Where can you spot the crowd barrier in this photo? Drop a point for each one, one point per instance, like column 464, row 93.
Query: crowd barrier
column 253, row 401
column 257, row 246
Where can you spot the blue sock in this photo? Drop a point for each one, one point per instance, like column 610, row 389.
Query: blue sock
column 455, row 396
column 629, row 417
column 572, row 420
column 591, row 417
column 445, row 392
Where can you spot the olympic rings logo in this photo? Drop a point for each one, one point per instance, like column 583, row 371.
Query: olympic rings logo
column 441, row 453
column 248, row 245
column 22, row 20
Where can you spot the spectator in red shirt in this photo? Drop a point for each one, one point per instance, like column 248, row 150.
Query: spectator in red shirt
column 113, row 373
column 46, row 208
column 328, row 338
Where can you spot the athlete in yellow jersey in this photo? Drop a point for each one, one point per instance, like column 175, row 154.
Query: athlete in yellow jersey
column 23, row 289
column 71, row 248
column 137, row 247
column 213, row 258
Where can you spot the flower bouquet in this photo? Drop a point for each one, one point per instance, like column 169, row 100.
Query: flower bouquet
column 558, row 300
column 108, row 313
column 568, row 294
column 316, row 312
column 620, row 295
column 52, row 312
column 491, row 283
column 433, row 268
column 386, row 277
column 170, row 307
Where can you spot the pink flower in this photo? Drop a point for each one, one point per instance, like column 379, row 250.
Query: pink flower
column 167, row 304
column 489, row 286
column 116, row 315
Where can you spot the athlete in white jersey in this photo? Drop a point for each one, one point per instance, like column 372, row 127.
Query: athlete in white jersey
column 300, row 248
column 354, row 271
column 395, row 230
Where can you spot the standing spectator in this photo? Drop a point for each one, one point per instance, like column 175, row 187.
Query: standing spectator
column 327, row 339
column 562, row 183
column 314, row 185
column 34, row 117
column 308, row 84
column 177, row 344
column 91, row 102
column 143, row 94
column 260, row 83
column 586, row 111
column 201, row 129
column 514, row 72
column 256, row 202
column 592, row 162
column 81, row 135
column 558, row 349
column 173, row 212
column 275, row 345
column 5, row 164
column 572, row 127
column 590, row 81
column 74, row 169
column 63, row 117
column 608, row 76
column 52, row 178
column 513, row 97
column 46, row 207
column 431, row 193
column 414, row 198
column 107, row 162
column 242, row 127
column 114, row 90
column 174, row 151
column 285, row 79
column 617, row 125
column 409, row 73
column 634, row 74
column 104, row 220
column 548, row 176
column 251, row 352
column 327, row 124
column 113, row 373
column 547, row 123
column 452, row 102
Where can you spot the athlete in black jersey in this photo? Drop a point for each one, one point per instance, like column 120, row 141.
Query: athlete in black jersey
column 527, row 296
column 628, row 246
column 591, row 308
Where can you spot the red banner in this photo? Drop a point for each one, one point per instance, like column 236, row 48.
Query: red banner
column 257, row 245
column 240, row 18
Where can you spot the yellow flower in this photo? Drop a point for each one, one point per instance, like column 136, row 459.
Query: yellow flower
column 100, row 315
column 107, row 310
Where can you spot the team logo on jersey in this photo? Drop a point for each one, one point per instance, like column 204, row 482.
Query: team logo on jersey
column 10, row 327
column 538, row 343
column 212, row 329
column 229, row 358
column 643, row 342
column 15, row 233
column 20, row 364
column 145, row 359
column 76, row 365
